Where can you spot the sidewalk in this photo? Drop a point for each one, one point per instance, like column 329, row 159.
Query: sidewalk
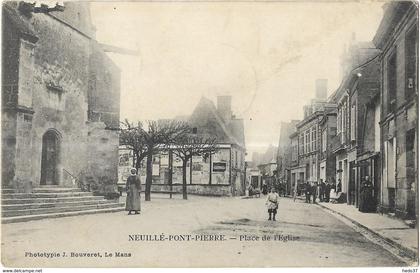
column 394, row 231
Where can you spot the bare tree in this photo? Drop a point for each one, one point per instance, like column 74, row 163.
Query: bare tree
column 189, row 146
column 159, row 135
column 145, row 142
column 133, row 137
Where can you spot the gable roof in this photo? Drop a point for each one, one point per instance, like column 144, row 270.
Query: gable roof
column 209, row 123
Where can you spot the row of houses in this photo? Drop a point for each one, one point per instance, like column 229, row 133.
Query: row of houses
column 368, row 127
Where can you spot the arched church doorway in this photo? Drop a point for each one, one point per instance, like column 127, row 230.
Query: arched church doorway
column 50, row 158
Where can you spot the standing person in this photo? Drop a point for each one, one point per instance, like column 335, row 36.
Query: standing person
column 322, row 191
column 272, row 204
column 264, row 188
column 327, row 192
column 339, row 186
column 308, row 191
column 133, row 188
column 366, row 195
column 314, row 192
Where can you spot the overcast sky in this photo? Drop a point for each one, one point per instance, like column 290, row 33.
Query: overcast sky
column 265, row 55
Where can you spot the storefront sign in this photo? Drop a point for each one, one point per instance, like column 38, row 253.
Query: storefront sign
column 219, row 167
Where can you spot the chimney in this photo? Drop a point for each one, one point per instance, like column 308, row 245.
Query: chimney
column 321, row 89
column 224, row 107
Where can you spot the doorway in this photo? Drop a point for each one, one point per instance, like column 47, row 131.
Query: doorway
column 50, row 158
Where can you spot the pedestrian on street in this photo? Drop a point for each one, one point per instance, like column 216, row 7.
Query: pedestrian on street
column 327, row 192
column 322, row 191
column 308, row 191
column 314, row 192
column 272, row 204
column 133, row 188
column 264, row 188
column 339, row 186
column 366, row 195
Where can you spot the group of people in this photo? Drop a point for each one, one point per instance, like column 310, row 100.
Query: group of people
column 319, row 191
column 280, row 188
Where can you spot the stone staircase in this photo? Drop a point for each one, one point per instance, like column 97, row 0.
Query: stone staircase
column 51, row 203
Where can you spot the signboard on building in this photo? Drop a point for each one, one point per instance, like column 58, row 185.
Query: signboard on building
column 219, row 166
column 125, row 163
column 156, row 169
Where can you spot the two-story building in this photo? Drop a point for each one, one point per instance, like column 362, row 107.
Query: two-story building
column 358, row 86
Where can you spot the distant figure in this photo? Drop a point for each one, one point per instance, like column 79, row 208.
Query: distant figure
column 327, row 192
column 366, row 195
column 339, row 186
column 322, row 191
column 272, row 203
column 314, row 192
column 283, row 189
column 264, row 189
column 133, row 188
column 295, row 192
column 308, row 191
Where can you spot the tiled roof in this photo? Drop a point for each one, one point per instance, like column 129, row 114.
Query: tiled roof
column 209, row 123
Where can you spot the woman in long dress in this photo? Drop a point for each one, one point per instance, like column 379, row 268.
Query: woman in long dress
column 133, row 188
column 272, row 203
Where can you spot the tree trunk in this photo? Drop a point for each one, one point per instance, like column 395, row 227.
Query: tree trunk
column 138, row 161
column 149, row 173
column 184, row 179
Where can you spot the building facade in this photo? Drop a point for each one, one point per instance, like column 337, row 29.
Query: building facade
column 359, row 86
column 284, row 154
column 219, row 174
column 60, row 101
column 310, row 160
column 328, row 130
column 397, row 37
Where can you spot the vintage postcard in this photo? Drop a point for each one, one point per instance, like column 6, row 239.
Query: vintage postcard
column 209, row 134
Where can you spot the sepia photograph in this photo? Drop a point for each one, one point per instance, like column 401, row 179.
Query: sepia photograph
column 209, row 134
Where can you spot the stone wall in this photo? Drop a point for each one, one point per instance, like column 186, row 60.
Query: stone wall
column 104, row 89
column 396, row 124
column 59, row 95
column 102, row 158
column 55, row 89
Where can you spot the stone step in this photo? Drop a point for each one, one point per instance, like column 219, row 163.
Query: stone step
column 16, row 219
column 5, row 201
column 43, row 195
column 55, row 190
column 7, row 191
column 54, row 204
column 43, row 211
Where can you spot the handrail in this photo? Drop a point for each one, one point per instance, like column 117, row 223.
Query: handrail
column 69, row 173
column 78, row 182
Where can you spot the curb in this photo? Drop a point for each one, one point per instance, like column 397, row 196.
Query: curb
column 404, row 252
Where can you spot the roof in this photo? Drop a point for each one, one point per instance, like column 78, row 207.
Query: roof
column 394, row 12
column 209, row 123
